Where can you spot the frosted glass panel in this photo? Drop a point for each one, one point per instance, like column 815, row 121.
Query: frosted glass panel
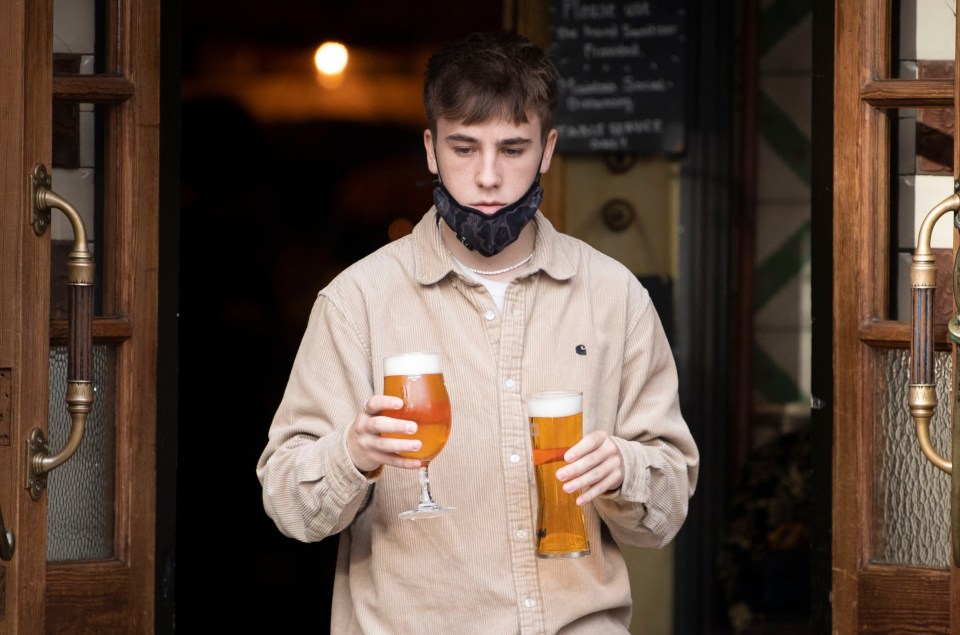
column 912, row 504
column 80, row 492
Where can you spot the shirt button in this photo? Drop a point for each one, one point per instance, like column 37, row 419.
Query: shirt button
column 508, row 383
column 489, row 315
column 514, row 458
column 521, row 534
column 529, row 603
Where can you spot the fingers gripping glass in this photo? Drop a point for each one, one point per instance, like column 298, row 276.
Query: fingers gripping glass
column 417, row 379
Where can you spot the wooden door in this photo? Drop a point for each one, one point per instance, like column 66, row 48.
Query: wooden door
column 894, row 158
column 79, row 88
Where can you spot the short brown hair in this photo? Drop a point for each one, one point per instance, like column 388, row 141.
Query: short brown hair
column 489, row 75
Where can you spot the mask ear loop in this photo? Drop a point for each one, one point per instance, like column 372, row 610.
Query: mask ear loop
column 436, row 159
column 438, row 180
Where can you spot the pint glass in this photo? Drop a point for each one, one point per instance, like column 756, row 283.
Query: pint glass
column 556, row 424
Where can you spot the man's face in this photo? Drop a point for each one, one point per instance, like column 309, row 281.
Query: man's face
column 489, row 165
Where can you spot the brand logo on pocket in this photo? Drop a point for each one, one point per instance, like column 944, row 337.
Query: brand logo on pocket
column 581, row 349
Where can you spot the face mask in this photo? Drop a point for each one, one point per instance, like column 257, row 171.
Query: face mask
column 488, row 234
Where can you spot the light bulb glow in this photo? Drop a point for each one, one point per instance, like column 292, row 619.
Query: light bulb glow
column 331, row 58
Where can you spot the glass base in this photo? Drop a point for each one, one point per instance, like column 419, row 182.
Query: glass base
column 567, row 554
column 426, row 511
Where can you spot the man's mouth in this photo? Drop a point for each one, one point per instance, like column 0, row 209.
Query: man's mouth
column 488, row 207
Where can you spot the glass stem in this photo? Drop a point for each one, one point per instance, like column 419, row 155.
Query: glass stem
column 426, row 500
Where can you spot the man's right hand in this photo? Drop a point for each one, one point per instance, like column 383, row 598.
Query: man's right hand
column 368, row 449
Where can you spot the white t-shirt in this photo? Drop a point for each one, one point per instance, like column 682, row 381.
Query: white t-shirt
column 497, row 289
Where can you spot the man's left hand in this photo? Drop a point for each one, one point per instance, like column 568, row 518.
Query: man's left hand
column 595, row 467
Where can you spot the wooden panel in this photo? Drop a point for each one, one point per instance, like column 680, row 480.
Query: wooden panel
column 908, row 93
column 889, row 334
column 105, row 330
column 118, row 597
column 25, row 128
column 904, row 600
column 138, row 228
column 92, row 88
column 88, row 598
column 869, row 598
column 954, row 599
column 847, row 230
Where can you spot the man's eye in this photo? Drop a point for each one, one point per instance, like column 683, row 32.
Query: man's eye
column 513, row 152
column 462, row 151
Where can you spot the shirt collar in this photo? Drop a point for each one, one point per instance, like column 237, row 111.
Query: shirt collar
column 433, row 263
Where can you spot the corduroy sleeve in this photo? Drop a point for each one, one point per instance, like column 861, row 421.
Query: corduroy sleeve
column 660, row 457
column 311, row 489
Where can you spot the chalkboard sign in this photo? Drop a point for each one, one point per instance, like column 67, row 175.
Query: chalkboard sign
column 621, row 67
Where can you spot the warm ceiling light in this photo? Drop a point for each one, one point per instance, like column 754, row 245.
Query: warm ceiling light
column 331, row 58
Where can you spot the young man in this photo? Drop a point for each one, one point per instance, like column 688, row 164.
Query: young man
column 514, row 308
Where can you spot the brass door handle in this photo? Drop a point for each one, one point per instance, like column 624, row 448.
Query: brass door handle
column 923, row 279
column 79, row 398
column 922, row 389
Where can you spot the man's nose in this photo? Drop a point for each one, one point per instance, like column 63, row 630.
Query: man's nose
column 488, row 172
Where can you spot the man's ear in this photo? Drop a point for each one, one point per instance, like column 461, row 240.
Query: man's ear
column 431, row 156
column 548, row 149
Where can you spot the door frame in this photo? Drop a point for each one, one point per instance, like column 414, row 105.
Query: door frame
column 869, row 596
column 23, row 324
column 168, row 301
column 821, row 312
column 115, row 594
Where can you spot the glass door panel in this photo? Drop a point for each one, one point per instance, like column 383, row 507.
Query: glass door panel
column 80, row 516
column 81, row 512
column 911, row 497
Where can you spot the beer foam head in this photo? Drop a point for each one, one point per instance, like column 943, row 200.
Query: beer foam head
column 554, row 404
column 412, row 364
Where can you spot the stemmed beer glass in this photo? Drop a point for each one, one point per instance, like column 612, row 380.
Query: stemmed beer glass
column 417, row 379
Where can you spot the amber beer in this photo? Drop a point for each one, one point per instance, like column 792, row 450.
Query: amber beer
column 556, row 424
column 416, row 378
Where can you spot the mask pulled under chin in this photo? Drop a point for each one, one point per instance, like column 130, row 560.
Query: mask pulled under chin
column 488, row 234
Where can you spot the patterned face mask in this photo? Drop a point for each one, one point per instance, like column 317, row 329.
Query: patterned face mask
column 488, row 234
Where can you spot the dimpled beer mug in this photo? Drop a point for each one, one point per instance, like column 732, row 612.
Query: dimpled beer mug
column 416, row 378
column 556, row 424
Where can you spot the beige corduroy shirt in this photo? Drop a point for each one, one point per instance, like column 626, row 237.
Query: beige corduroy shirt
column 577, row 320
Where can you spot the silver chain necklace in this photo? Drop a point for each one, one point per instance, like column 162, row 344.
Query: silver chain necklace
column 480, row 272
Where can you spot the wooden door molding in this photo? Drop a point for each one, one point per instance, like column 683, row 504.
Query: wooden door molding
column 867, row 596
column 24, row 275
column 122, row 599
column 114, row 595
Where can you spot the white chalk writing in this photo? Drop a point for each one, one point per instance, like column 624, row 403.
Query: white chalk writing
column 631, row 85
column 591, row 88
column 588, row 10
column 621, row 104
column 636, row 9
column 591, row 51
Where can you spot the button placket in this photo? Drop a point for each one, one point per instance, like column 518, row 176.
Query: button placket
column 515, row 438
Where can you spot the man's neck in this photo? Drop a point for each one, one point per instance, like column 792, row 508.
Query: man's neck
column 512, row 254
